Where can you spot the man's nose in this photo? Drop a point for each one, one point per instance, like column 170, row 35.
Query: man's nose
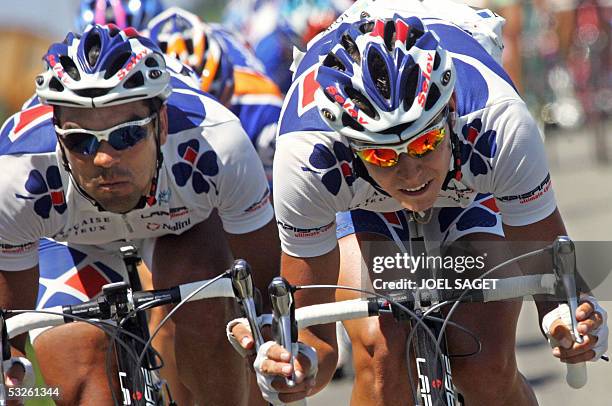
column 408, row 167
column 106, row 156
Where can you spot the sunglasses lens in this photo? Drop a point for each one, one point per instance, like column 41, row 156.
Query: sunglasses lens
column 81, row 143
column 379, row 156
column 127, row 137
column 426, row 143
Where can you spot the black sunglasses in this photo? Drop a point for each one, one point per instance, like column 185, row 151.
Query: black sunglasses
column 120, row 137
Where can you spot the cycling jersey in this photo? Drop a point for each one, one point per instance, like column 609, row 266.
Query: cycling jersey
column 316, row 175
column 208, row 164
column 256, row 100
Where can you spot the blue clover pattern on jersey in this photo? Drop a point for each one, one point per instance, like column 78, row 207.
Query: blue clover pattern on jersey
column 464, row 219
column 336, row 165
column 195, row 167
column 48, row 191
column 479, row 149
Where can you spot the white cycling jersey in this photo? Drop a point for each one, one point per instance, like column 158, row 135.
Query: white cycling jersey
column 209, row 163
column 316, row 174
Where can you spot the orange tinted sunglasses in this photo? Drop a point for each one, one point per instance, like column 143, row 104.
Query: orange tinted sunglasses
column 388, row 155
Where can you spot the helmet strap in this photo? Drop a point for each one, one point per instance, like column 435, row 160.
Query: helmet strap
column 455, row 171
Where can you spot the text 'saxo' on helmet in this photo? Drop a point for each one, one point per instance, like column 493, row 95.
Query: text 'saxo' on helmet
column 182, row 35
column 103, row 67
column 122, row 13
column 384, row 80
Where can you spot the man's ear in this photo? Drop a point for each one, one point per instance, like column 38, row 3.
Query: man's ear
column 163, row 124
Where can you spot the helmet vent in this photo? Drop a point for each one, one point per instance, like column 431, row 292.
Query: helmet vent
column 185, row 71
column 362, row 102
column 398, row 129
column 136, row 80
column 389, row 35
column 151, row 63
column 92, row 48
column 189, row 45
column 56, row 85
column 413, row 36
column 70, row 67
column 92, row 93
column 351, row 47
column 437, row 61
column 113, row 30
column 332, row 61
column 348, row 121
column 163, row 45
column 432, row 97
column 117, row 64
column 378, row 70
column 366, row 27
column 411, row 86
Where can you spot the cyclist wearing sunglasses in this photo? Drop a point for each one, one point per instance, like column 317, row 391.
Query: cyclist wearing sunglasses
column 412, row 131
column 125, row 148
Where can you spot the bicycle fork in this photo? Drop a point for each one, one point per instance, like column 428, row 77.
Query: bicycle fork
column 433, row 368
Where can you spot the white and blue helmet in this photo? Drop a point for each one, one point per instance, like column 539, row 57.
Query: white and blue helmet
column 384, row 81
column 103, row 67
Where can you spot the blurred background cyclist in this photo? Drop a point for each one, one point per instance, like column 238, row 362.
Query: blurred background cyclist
column 288, row 24
column 227, row 69
column 122, row 13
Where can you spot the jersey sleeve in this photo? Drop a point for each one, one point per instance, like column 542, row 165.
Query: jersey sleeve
column 521, row 180
column 308, row 192
column 19, row 227
column 243, row 200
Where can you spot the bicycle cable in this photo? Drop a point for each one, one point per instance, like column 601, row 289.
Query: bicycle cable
column 419, row 321
column 178, row 306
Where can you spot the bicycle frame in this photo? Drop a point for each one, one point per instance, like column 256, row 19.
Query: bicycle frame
column 117, row 301
column 558, row 285
column 137, row 384
column 432, row 359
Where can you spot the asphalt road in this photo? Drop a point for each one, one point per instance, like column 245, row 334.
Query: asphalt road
column 584, row 194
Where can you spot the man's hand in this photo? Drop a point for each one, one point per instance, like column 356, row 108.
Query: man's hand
column 18, row 373
column 592, row 325
column 272, row 366
column 14, row 375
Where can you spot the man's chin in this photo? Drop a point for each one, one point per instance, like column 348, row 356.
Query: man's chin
column 417, row 204
column 118, row 205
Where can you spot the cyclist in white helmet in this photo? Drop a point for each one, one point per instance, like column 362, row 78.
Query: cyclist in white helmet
column 125, row 148
column 401, row 121
column 227, row 69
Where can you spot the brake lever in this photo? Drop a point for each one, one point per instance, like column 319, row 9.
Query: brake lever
column 564, row 264
column 242, row 283
column 285, row 325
